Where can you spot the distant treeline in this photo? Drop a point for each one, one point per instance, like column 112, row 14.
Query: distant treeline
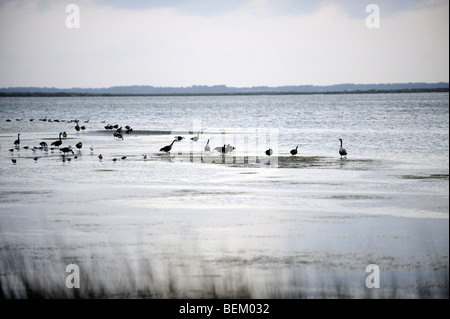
column 224, row 90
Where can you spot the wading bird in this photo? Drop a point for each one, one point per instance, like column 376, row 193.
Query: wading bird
column 294, row 151
column 342, row 151
column 17, row 142
column 167, row 148
column 58, row 142
column 66, row 150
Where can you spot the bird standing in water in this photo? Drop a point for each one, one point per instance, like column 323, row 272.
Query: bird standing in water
column 17, row 142
column 342, row 151
column 294, row 151
column 167, row 148
column 58, row 142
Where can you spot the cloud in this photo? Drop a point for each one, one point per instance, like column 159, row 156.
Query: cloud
column 250, row 43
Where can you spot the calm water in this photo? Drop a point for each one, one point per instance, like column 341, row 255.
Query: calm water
column 386, row 204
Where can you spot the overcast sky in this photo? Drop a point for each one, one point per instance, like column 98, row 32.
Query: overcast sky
column 232, row 42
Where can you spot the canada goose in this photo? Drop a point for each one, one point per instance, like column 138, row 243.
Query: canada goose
column 294, row 151
column 167, row 148
column 100, row 157
column 17, row 142
column 269, row 152
column 79, row 145
column 66, row 150
column 179, row 138
column 224, row 149
column 64, row 134
column 118, row 135
column 124, row 157
column 207, row 148
column 13, row 160
column 342, row 151
column 58, row 142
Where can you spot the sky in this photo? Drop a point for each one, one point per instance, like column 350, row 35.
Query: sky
column 238, row 43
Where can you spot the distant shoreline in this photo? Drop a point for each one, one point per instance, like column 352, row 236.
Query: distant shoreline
column 75, row 94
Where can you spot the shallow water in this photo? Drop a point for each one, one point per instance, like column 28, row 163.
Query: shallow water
column 313, row 216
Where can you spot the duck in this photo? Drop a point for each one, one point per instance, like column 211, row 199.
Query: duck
column 342, row 151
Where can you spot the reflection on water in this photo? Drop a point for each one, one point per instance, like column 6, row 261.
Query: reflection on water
column 242, row 224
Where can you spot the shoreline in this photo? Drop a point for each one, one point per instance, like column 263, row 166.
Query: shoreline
column 250, row 93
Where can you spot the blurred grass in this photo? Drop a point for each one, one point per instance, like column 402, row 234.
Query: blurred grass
column 30, row 278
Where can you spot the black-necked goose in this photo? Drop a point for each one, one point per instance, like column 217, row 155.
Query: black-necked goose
column 342, row 151
column 167, row 148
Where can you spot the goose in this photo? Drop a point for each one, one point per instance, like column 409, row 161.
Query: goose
column 195, row 138
column 207, row 148
column 294, row 151
column 224, row 149
column 118, row 135
column 79, row 145
column 123, row 157
column 58, row 142
column 77, row 127
column 17, row 142
column 64, row 134
column 269, row 152
column 43, row 144
column 13, row 160
column 66, row 150
column 167, row 148
column 100, row 157
column 179, row 138
column 36, row 158
column 342, row 151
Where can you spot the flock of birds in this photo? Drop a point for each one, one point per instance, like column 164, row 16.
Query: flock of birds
column 227, row 148
column 118, row 134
